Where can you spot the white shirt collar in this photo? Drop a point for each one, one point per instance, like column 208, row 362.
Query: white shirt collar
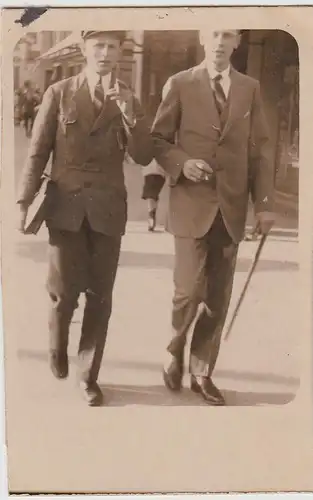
column 93, row 78
column 213, row 73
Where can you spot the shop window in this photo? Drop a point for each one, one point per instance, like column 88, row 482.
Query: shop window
column 288, row 144
column 71, row 71
column 56, row 74
column 49, row 39
column 48, row 77
column 127, row 52
column 64, row 35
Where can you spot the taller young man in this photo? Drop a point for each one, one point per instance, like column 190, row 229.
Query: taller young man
column 211, row 138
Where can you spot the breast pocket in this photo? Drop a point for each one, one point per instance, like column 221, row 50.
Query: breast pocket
column 70, row 135
column 70, row 124
column 242, row 124
column 69, row 121
column 68, row 113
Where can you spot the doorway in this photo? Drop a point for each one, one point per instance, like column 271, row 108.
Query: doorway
column 165, row 53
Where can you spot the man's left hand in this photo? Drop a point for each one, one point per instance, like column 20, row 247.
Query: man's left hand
column 264, row 222
column 124, row 98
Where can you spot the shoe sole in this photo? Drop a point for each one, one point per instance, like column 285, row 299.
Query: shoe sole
column 97, row 400
column 197, row 390
column 175, row 388
column 59, row 375
column 95, row 403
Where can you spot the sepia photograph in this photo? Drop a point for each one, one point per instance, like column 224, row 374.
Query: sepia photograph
column 208, row 165
column 155, row 264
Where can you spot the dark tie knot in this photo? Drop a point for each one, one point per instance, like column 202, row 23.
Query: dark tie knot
column 98, row 87
column 218, row 78
column 98, row 96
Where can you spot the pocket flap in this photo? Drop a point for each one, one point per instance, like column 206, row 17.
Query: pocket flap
column 68, row 114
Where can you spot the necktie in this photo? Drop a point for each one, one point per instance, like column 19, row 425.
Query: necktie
column 219, row 95
column 98, row 99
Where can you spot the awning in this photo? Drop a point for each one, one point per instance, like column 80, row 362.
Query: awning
column 68, row 45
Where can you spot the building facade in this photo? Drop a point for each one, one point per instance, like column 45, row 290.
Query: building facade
column 150, row 57
column 27, row 53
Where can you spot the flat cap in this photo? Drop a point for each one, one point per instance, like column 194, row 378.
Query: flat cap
column 120, row 35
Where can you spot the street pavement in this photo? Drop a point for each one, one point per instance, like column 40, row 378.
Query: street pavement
column 257, row 366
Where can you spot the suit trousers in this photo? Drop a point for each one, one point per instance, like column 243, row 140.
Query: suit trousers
column 203, row 276
column 82, row 262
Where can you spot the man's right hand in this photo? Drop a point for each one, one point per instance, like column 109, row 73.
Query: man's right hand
column 197, row 170
column 21, row 217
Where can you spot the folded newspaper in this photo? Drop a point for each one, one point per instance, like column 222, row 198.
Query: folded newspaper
column 37, row 210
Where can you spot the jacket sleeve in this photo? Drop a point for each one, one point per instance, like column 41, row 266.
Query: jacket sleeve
column 138, row 139
column 261, row 165
column 41, row 145
column 164, row 132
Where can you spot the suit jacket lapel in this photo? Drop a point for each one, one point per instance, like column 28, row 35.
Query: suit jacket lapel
column 207, row 98
column 237, row 96
column 109, row 111
column 81, row 101
column 82, row 104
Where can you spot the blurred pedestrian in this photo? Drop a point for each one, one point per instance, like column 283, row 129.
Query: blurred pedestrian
column 29, row 102
column 38, row 98
column 17, row 107
column 154, row 180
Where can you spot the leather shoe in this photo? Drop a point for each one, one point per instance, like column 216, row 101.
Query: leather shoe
column 173, row 373
column 59, row 364
column 91, row 393
column 152, row 220
column 209, row 392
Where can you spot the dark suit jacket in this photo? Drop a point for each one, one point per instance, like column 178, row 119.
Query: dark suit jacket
column 87, row 164
column 187, row 125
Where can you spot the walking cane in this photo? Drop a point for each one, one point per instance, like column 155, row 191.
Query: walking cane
column 243, row 293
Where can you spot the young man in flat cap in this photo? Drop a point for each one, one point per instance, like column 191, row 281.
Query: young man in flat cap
column 211, row 138
column 87, row 121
